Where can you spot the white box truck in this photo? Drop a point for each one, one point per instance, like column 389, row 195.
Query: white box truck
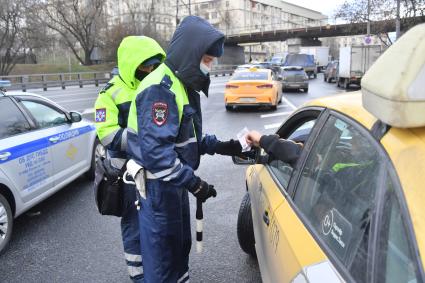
column 320, row 53
column 354, row 61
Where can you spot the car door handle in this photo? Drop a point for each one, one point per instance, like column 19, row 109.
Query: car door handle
column 54, row 139
column 266, row 218
column 4, row 156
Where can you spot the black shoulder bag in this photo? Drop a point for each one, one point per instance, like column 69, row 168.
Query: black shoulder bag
column 108, row 188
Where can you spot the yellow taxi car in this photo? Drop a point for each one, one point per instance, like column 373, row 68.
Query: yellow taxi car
column 253, row 87
column 351, row 209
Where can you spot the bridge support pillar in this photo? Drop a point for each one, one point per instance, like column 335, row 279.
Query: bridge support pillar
column 294, row 44
column 233, row 55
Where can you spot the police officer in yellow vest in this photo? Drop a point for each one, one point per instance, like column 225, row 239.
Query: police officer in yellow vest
column 137, row 56
column 165, row 138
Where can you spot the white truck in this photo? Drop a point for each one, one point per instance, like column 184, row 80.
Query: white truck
column 354, row 61
column 320, row 53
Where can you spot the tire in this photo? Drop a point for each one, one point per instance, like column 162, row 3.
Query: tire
column 338, row 84
column 315, row 75
column 245, row 228
column 346, row 85
column 98, row 150
column 306, row 90
column 6, row 223
column 229, row 108
column 325, row 79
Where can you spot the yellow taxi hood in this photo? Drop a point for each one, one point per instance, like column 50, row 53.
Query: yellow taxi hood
column 393, row 88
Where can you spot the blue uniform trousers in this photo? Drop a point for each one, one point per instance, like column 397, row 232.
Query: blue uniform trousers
column 130, row 234
column 165, row 234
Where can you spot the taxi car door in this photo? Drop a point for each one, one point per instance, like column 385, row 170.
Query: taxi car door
column 25, row 155
column 333, row 204
column 70, row 142
column 298, row 128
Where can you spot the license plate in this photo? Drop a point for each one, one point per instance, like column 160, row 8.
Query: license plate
column 247, row 99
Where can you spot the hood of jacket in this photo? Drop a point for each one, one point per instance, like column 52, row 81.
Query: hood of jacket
column 190, row 41
column 133, row 51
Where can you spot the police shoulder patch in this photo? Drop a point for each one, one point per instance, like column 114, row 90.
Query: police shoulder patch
column 159, row 113
column 100, row 115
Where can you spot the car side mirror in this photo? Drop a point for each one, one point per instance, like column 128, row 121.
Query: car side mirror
column 240, row 161
column 75, row 117
column 248, row 161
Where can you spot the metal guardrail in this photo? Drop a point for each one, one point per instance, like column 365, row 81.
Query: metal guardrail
column 62, row 80
column 45, row 81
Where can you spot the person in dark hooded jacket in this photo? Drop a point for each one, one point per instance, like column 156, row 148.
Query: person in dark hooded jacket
column 165, row 139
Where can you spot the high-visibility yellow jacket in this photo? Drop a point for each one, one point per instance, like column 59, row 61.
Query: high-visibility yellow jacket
column 113, row 103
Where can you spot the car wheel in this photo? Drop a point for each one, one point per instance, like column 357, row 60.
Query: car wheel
column 6, row 222
column 325, row 79
column 306, row 90
column 229, row 108
column 98, row 151
column 245, row 228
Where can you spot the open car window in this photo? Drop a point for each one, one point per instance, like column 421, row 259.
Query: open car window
column 299, row 133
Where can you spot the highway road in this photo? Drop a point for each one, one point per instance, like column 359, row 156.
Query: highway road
column 64, row 239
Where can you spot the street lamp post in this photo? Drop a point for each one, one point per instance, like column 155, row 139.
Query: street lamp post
column 397, row 21
column 368, row 17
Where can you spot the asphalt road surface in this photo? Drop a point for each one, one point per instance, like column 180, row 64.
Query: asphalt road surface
column 64, row 239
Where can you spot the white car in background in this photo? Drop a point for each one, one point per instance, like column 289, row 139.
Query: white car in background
column 43, row 148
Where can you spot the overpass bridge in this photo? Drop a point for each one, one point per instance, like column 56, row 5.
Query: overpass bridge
column 314, row 32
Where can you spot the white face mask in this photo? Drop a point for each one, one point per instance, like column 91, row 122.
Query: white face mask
column 205, row 69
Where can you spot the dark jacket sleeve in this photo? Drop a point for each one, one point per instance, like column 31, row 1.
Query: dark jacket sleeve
column 208, row 144
column 156, row 139
column 281, row 149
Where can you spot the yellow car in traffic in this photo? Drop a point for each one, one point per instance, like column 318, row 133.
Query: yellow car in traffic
column 351, row 209
column 253, row 87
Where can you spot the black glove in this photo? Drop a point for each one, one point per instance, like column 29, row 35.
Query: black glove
column 202, row 191
column 231, row 148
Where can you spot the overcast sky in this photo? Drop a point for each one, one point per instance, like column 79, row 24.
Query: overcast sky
column 326, row 7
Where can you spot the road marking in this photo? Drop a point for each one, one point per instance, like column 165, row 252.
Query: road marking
column 276, row 114
column 289, row 103
column 272, row 126
column 88, row 111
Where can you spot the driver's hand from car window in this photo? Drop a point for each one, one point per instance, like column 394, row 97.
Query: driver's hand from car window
column 253, row 138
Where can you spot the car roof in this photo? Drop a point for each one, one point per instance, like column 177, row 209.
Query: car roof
column 29, row 94
column 406, row 149
column 292, row 68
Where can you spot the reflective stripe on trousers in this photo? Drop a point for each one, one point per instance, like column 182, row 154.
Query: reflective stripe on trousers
column 131, row 235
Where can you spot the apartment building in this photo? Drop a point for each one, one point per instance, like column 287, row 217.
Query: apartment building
column 230, row 16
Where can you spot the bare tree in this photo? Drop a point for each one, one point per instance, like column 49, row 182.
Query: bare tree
column 12, row 33
column 356, row 11
column 115, row 35
column 78, row 22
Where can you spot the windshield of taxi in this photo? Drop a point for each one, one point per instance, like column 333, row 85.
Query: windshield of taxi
column 250, row 76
